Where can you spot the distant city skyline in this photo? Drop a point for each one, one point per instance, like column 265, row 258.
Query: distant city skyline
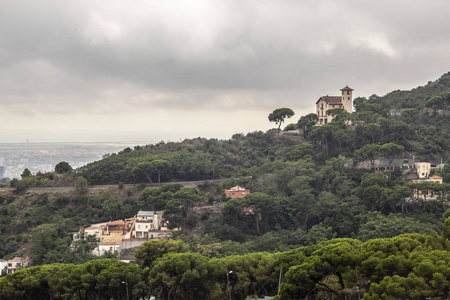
column 102, row 70
column 43, row 156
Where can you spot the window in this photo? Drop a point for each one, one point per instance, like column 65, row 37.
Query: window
column 233, row 194
column 146, row 226
column 243, row 193
column 348, row 98
column 348, row 92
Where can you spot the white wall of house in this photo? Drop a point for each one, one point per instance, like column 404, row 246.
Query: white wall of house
column 3, row 266
column 423, row 169
column 102, row 249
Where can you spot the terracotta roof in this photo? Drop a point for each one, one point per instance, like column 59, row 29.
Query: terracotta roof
column 331, row 100
column 237, row 188
column 92, row 228
column 119, row 222
column 347, row 88
column 436, row 177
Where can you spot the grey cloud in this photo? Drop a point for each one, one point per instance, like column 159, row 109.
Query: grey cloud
column 102, row 56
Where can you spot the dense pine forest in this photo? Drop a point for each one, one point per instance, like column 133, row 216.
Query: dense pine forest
column 326, row 223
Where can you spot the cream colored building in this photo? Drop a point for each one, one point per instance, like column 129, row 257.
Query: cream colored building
column 436, row 178
column 112, row 247
column 430, row 195
column 325, row 103
column 17, row 263
column 423, row 169
column 93, row 231
column 146, row 221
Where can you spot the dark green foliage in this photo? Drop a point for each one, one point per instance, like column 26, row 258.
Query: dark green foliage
column 411, row 266
column 81, row 185
column 156, row 198
column 150, row 251
column 279, row 115
column 26, row 173
column 99, row 279
column 63, row 167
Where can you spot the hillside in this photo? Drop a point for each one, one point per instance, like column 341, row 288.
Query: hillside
column 305, row 187
column 417, row 119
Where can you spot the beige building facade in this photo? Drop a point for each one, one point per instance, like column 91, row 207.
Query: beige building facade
column 12, row 265
column 423, row 169
column 325, row 103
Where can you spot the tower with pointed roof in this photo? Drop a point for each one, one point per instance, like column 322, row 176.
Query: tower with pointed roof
column 347, row 100
column 325, row 103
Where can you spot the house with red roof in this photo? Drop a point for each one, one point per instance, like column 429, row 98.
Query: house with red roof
column 237, row 192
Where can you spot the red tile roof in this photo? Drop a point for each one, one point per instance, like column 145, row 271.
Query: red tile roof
column 118, row 222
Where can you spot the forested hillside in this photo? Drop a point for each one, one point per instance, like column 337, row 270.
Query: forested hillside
column 305, row 187
column 418, row 120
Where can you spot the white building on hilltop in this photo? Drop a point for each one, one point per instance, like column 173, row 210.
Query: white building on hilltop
column 325, row 103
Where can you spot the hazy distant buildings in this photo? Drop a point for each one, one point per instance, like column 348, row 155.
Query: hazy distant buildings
column 326, row 103
column 43, row 157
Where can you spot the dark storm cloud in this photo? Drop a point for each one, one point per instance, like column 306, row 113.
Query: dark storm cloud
column 103, row 58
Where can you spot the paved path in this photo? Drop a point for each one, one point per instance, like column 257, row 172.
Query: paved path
column 185, row 183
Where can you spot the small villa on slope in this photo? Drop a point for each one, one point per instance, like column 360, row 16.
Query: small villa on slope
column 326, row 103
column 12, row 265
column 237, row 192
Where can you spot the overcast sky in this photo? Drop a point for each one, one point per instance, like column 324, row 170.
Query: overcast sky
column 147, row 70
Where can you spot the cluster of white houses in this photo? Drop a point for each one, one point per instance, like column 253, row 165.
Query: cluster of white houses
column 125, row 234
